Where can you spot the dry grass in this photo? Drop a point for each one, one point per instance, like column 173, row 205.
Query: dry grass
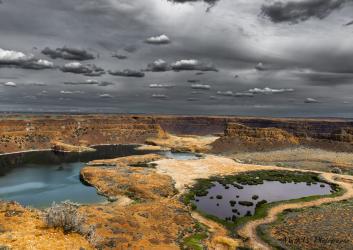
column 303, row 158
column 186, row 143
column 66, row 216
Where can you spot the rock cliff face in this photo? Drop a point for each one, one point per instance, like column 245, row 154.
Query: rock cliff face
column 238, row 137
column 266, row 135
column 39, row 132
column 19, row 133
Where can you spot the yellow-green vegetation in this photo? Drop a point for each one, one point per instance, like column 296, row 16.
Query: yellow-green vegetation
column 194, row 242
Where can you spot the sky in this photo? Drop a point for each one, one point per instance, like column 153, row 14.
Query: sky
column 288, row 58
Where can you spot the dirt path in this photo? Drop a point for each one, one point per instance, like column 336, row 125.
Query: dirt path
column 249, row 229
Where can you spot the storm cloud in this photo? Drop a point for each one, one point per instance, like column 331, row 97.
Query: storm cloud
column 119, row 56
column 127, row 73
column 299, row 11
column 158, row 66
column 11, row 58
column 240, row 49
column 84, row 69
column 68, row 54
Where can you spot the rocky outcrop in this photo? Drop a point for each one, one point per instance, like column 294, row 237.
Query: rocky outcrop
column 156, row 219
column 257, row 136
column 191, row 143
column 38, row 132
column 63, row 147
column 238, row 137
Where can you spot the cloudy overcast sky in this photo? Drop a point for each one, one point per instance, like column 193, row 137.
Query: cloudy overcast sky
column 234, row 57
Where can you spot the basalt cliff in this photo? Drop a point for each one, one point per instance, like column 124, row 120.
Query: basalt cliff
column 19, row 133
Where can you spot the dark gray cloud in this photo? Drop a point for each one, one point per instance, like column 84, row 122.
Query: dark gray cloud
column 119, row 56
column 158, row 66
column 260, row 66
column 11, row 58
column 84, row 69
column 298, row 11
column 315, row 58
column 326, row 78
column 193, row 81
column 127, row 73
column 68, row 54
column 349, row 23
column 131, row 48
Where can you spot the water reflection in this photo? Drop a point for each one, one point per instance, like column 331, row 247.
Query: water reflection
column 39, row 178
column 240, row 200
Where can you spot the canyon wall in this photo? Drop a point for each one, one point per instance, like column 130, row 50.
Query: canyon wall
column 39, row 132
column 25, row 132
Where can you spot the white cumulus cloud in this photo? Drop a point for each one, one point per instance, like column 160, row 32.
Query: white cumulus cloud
column 158, row 40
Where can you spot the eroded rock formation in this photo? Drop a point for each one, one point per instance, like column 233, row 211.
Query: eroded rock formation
column 19, row 133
